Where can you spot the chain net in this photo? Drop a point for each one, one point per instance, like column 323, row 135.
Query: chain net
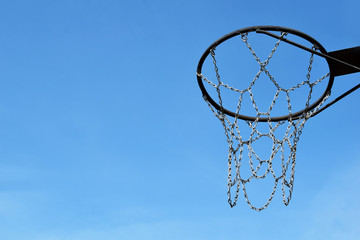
column 238, row 143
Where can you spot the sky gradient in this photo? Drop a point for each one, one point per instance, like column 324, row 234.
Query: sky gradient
column 104, row 133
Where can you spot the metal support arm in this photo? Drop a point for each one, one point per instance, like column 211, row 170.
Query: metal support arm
column 343, row 61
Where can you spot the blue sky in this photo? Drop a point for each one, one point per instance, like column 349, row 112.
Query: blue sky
column 104, row 133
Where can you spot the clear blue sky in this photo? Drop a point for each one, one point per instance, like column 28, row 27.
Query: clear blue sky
column 104, row 134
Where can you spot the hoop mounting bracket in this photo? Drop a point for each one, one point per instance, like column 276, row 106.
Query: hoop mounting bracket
column 348, row 55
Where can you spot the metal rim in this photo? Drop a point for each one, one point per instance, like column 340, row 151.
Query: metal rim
column 295, row 115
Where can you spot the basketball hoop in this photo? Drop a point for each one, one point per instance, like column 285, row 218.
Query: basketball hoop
column 280, row 120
